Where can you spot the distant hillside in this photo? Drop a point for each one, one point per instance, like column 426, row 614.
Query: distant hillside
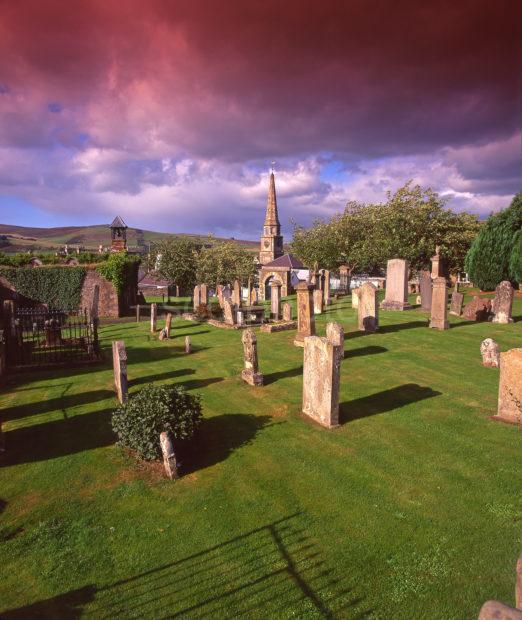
column 25, row 238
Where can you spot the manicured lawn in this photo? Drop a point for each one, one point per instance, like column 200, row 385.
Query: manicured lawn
column 411, row 509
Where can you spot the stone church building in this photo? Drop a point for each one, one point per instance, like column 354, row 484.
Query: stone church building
column 274, row 263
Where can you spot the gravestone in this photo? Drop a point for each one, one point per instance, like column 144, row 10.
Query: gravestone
column 318, row 301
column 457, row 300
column 478, row 309
column 344, row 278
column 203, row 294
column 153, row 317
column 437, row 265
column 165, row 332
column 169, row 456
column 138, row 313
column 197, row 297
column 396, row 297
column 425, row 289
column 236, row 293
column 368, row 308
column 335, row 335
column 219, row 292
column 510, row 387
column 355, row 297
column 418, row 300
column 326, row 290
column 321, row 378
column 229, row 312
column 275, row 300
column 502, row 305
column 305, row 315
column 287, row 312
column 490, row 352
column 439, row 305
column 253, row 297
column 188, row 345
column 240, row 318
column 119, row 364
column 250, row 373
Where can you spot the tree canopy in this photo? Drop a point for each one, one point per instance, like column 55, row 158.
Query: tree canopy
column 176, row 260
column 225, row 262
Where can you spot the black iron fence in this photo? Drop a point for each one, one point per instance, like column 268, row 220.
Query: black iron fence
column 36, row 337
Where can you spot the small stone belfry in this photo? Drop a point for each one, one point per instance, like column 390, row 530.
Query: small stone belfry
column 271, row 240
column 118, row 235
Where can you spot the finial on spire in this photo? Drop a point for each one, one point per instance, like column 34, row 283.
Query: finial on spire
column 272, row 169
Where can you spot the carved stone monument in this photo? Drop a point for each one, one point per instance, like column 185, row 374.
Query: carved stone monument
column 153, row 317
column 457, row 300
column 318, row 301
column 425, row 290
column 503, row 303
column 305, row 315
column 188, row 345
column 275, row 300
column 236, row 293
column 490, row 352
column 169, row 456
column 250, row 373
column 287, row 312
column 203, row 294
column 368, row 314
column 439, row 304
column 437, row 265
column 335, row 335
column 119, row 364
column 197, row 297
column 510, row 387
column 478, row 309
column 344, row 278
column 229, row 312
column 396, row 297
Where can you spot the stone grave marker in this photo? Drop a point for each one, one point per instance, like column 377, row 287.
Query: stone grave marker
column 355, row 297
column 240, row 318
column 457, row 299
column 188, row 345
column 510, row 387
column 250, row 373
column 219, row 293
column 396, row 297
column 437, row 265
column 368, row 308
column 335, row 335
column 343, row 278
column 439, row 305
column 165, row 332
column 138, row 313
column 119, row 364
column 236, row 293
column 153, row 317
column 229, row 312
column 305, row 316
column 203, row 294
column 275, row 300
column 326, row 290
column 169, row 456
column 287, row 312
column 318, row 301
column 490, row 352
column 502, row 304
column 425, row 289
column 478, row 309
column 197, row 297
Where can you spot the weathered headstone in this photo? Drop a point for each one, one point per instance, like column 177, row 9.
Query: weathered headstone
column 153, row 317
column 437, row 265
column 502, row 305
column 229, row 312
column 490, row 352
column 119, row 364
column 418, row 300
column 236, row 293
column 138, row 313
column 219, row 293
column 275, row 300
column 287, row 312
column 335, row 335
column 240, row 318
column 439, row 305
column 396, row 297
column 457, row 299
column 197, row 297
column 250, row 372
column 326, row 290
column 494, row 610
column 318, row 301
column 478, row 309
column 203, row 294
column 169, row 456
column 305, row 315
column 165, row 332
column 188, row 345
column 425, row 289
column 344, row 278
column 510, row 387
column 321, row 378
column 355, row 297
column 368, row 308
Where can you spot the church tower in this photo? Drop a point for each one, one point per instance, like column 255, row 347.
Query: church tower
column 271, row 240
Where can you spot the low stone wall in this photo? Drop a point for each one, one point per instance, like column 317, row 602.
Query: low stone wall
column 278, row 327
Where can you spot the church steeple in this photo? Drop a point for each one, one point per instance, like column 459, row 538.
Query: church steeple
column 271, row 240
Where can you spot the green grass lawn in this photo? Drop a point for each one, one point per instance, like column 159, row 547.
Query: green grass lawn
column 411, row 509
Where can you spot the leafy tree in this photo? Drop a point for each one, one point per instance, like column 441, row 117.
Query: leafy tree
column 176, row 261
column 495, row 254
column 225, row 262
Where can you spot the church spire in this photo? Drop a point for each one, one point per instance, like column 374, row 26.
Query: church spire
column 272, row 218
column 271, row 239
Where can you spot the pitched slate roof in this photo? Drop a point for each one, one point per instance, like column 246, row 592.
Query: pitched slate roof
column 287, row 260
column 118, row 223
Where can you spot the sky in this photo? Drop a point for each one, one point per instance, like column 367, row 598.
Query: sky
column 170, row 112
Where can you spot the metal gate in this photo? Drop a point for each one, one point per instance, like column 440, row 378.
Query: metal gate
column 38, row 338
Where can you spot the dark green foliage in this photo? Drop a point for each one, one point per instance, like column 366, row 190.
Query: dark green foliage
column 59, row 287
column 21, row 259
column 118, row 269
column 495, row 253
column 153, row 410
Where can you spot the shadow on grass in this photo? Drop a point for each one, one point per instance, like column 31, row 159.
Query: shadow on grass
column 275, row 376
column 274, row 570
column 384, row 401
column 390, row 329
column 161, row 376
column 371, row 350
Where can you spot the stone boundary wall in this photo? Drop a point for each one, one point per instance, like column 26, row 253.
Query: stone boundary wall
column 108, row 304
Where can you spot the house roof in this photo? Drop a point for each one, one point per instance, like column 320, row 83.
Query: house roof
column 287, row 260
column 151, row 278
column 117, row 222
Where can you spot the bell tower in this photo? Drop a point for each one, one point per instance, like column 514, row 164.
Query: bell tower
column 271, row 239
column 118, row 235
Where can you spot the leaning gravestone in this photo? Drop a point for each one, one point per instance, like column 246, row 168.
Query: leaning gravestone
column 229, row 312
column 425, row 289
column 153, row 317
column 503, row 303
column 119, row 364
column 250, row 373
column 510, row 387
column 456, row 303
column 169, row 456
column 368, row 309
column 439, row 305
column 490, row 352
column 318, row 301
column 396, row 297
column 287, row 312
column 321, row 378
column 305, row 315
column 165, row 332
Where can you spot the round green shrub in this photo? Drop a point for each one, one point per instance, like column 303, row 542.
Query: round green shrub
column 153, row 410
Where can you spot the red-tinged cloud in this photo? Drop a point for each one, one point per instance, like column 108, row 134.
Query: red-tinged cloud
column 179, row 106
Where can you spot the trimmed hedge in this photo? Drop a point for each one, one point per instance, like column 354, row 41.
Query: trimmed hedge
column 58, row 287
column 117, row 269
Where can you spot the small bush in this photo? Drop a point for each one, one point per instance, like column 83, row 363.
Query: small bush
column 153, row 410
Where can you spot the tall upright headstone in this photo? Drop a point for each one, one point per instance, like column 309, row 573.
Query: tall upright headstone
column 344, row 278
column 219, row 293
column 287, row 312
column 326, row 290
column 229, row 312
column 153, row 317
column 188, row 345
column 439, row 305
column 437, row 265
column 275, row 300
column 335, row 335
column 396, row 297
column 305, row 315
column 138, row 313
column 425, row 290
column 318, row 301
column 165, row 332
column 321, row 379
column 502, row 305
column 510, row 387
column 236, row 293
column 490, row 352
column 368, row 310
column 250, row 372
column 169, row 456
column 197, row 297
column 119, row 364
column 203, row 294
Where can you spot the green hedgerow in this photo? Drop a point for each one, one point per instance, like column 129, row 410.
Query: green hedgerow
column 117, row 269
column 153, row 410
